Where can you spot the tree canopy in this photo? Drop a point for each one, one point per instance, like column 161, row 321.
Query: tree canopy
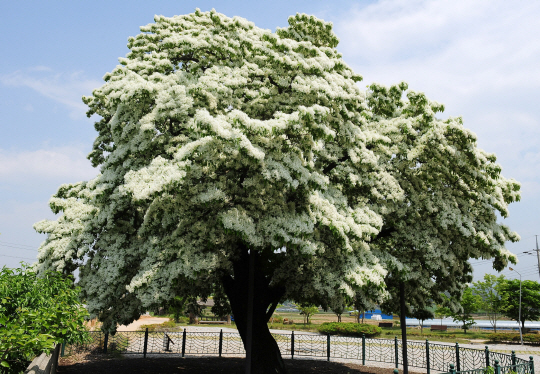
column 220, row 141
column 530, row 300
column 452, row 192
column 490, row 292
column 470, row 303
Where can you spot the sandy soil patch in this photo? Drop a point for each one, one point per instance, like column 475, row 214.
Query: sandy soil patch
column 144, row 320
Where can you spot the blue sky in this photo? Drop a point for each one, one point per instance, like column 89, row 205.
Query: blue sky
column 481, row 59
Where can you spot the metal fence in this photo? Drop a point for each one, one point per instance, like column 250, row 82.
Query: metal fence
column 526, row 368
column 430, row 356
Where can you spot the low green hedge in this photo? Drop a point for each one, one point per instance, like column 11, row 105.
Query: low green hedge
column 512, row 337
column 349, row 329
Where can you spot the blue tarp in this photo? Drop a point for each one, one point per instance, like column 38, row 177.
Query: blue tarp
column 376, row 311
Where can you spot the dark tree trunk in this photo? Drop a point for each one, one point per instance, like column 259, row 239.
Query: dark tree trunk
column 265, row 355
column 403, row 323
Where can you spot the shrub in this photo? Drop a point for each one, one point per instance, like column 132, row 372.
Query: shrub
column 512, row 337
column 35, row 314
column 276, row 319
column 531, row 338
column 349, row 329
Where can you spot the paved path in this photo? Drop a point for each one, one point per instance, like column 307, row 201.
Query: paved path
column 521, row 351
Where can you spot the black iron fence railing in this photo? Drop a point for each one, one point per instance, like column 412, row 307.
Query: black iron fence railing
column 437, row 357
column 523, row 368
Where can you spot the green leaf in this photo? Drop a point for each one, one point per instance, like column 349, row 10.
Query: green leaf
column 5, row 364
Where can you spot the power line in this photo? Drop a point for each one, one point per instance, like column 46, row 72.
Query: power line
column 26, row 258
column 487, row 261
column 524, row 269
column 524, row 273
column 19, row 245
column 25, row 249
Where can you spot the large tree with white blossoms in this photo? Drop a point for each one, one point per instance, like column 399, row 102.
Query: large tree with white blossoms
column 220, row 143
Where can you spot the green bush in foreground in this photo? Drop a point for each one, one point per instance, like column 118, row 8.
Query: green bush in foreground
column 349, row 329
column 35, row 313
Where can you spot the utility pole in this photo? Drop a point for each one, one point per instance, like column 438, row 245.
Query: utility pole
column 537, row 254
column 519, row 318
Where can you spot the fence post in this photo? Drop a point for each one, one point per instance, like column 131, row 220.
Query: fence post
column 396, row 351
column 184, row 343
column 363, row 349
column 105, row 342
column 514, row 360
column 452, row 370
column 145, row 348
column 531, row 362
column 63, row 348
column 427, row 356
column 458, row 366
column 487, row 356
column 327, row 347
column 497, row 367
column 220, row 342
column 292, row 345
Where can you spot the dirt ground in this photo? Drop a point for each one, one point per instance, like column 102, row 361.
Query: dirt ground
column 87, row 364
column 143, row 320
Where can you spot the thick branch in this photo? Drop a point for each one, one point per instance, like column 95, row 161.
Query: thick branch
column 278, row 295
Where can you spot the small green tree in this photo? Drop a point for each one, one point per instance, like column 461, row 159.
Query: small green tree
column 338, row 311
column 221, row 307
column 307, row 311
column 361, row 304
column 339, row 306
column 422, row 315
column 194, row 309
column 442, row 312
column 35, row 314
column 530, row 300
column 489, row 291
column 177, row 306
column 470, row 303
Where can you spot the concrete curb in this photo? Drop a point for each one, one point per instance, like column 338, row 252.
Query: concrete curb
column 44, row 363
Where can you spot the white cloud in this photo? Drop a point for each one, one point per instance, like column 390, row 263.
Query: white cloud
column 62, row 164
column 66, row 89
column 468, row 45
column 479, row 58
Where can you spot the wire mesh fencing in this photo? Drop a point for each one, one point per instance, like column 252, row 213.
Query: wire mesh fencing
column 436, row 357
